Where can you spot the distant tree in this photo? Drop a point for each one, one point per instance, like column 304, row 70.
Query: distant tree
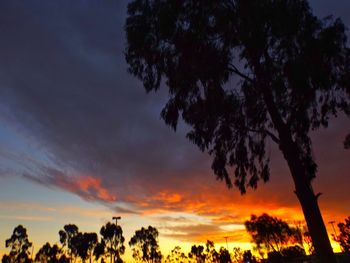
column 344, row 237
column 237, row 255
column 248, row 257
column 66, row 235
column 240, row 73
column 269, row 232
column 84, row 245
column 224, row 256
column 176, row 256
column 99, row 251
column 19, row 246
column 293, row 252
column 211, row 254
column 308, row 242
column 6, row 259
column 144, row 244
column 113, row 240
column 197, row 253
column 48, row 254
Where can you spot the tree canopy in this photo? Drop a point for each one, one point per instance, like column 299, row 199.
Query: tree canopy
column 113, row 240
column 19, row 245
column 283, row 56
column 270, row 233
column 145, row 245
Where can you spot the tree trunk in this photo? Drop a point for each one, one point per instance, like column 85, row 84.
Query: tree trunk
column 302, row 181
column 308, row 200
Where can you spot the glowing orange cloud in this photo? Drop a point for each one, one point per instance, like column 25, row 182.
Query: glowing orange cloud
column 89, row 188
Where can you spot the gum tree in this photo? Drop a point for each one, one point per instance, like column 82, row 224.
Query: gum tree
column 240, row 73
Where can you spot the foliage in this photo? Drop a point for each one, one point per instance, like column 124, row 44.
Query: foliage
column 248, row 257
column 84, row 245
column 344, row 236
column 237, row 255
column 197, row 253
column 224, row 256
column 69, row 232
column 302, row 68
column 176, row 256
column 307, row 241
column 293, row 251
column 269, row 232
column 19, row 246
column 48, row 254
column 113, row 240
column 144, row 244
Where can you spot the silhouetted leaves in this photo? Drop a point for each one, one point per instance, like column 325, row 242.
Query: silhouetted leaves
column 113, row 241
column 19, row 245
column 344, row 237
column 144, row 244
column 269, row 232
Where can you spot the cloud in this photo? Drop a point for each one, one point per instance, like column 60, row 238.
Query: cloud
column 88, row 187
column 26, row 218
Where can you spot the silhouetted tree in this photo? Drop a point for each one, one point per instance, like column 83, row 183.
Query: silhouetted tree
column 84, row 245
column 269, row 232
column 6, row 259
column 240, row 72
column 344, row 237
column 211, row 254
column 308, row 242
column 248, row 257
column 19, row 246
column 293, row 252
column 224, row 256
column 113, row 240
column 66, row 235
column 99, row 251
column 176, row 256
column 144, row 244
column 237, row 255
column 48, row 254
column 197, row 253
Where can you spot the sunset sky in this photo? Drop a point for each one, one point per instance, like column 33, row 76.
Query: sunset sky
column 81, row 141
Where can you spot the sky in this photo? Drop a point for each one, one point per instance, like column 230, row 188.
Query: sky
column 81, row 141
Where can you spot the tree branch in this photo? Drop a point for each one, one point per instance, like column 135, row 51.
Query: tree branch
column 272, row 136
column 235, row 70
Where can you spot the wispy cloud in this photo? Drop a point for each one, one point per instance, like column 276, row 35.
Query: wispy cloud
column 26, row 218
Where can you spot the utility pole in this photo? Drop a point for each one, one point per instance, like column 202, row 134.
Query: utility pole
column 116, row 218
column 332, row 223
column 226, row 243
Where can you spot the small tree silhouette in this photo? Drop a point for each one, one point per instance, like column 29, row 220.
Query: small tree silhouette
column 113, row 241
column 19, row 245
column 269, row 232
column 66, row 235
column 144, row 244
column 344, row 237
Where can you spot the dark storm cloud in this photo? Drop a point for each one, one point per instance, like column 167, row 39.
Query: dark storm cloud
column 64, row 85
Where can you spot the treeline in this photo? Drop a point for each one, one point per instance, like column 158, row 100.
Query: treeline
column 272, row 237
